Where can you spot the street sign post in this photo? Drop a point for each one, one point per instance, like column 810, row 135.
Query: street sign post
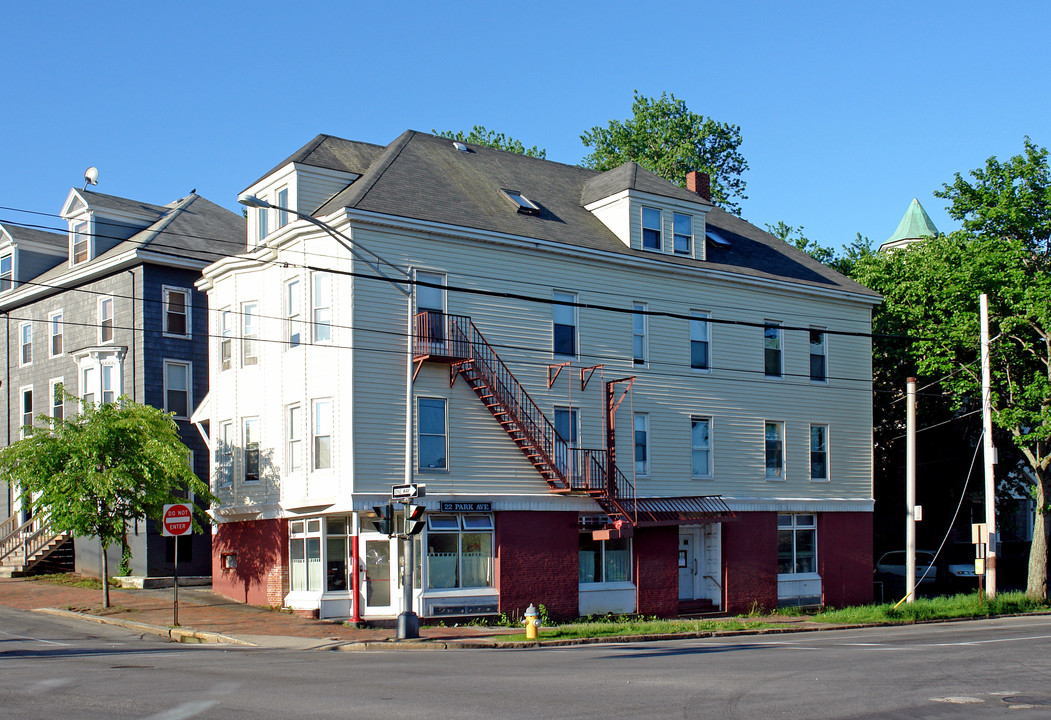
column 177, row 520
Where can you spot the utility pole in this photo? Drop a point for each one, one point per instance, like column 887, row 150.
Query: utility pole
column 989, row 452
column 910, row 489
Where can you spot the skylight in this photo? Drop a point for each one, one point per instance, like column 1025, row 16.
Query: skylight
column 716, row 237
column 524, row 204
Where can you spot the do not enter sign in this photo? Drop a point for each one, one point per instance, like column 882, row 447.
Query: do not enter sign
column 177, row 520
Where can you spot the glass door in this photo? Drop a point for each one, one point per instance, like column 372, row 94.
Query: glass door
column 378, row 585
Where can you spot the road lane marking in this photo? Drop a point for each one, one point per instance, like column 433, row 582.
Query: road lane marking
column 23, row 637
column 184, row 711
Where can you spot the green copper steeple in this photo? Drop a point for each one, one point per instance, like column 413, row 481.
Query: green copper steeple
column 914, row 225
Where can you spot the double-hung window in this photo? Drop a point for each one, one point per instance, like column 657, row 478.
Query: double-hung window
column 819, row 452
column 564, row 321
column 89, row 384
column 772, row 349
column 322, row 434
column 701, row 447
column 459, row 551
column 177, row 388
column 27, row 410
column 249, row 333
column 110, row 382
column 7, row 271
column 604, row 561
column 683, row 234
column 55, row 326
column 775, row 450
column 700, row 345
column 25, row 341
column 651, row 228
column 177, row 312
column 321, row 297
column 642, row 444
column 261, row 224
column 226, row 339
column 282, row 202
column 294, row 435
column 639, row 322
column 796, row 543
column 81, row 243
column 224, row 455
column 105, row 319
column 58, row 399
column 251, row 449
column 432, row 434
column 818, row 355
column 293, row 314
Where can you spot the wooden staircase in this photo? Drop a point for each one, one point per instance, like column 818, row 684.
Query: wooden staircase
column 27, row 546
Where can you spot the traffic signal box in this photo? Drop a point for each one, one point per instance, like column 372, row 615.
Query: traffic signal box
column 384, row 522
column 414, row 520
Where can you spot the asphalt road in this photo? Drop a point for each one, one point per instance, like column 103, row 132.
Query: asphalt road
column 55, row 668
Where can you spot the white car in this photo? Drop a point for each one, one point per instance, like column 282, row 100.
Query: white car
column 892, row 564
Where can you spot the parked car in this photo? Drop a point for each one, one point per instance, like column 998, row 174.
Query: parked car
column 892, row 566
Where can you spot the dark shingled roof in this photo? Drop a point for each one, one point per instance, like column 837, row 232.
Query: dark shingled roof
column 57, row 240
column 332, row 153
column 101, row 201
column 426, row 178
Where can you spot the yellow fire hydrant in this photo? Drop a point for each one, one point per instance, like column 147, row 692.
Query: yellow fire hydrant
column 532, row 622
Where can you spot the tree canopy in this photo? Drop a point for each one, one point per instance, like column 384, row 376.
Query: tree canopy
column 665, row 137
column 94, row 472
column 479, row 135
column 931, row 290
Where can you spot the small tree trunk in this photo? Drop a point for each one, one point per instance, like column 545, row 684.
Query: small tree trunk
column 105, row 575
column 1036, row 587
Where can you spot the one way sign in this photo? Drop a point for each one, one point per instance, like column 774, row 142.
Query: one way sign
column 408, row 491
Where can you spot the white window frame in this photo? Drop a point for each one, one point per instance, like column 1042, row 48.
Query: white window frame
column 293, row 304
column 564, row 312
column 166, row 293
column 188, row 368
column 53, row 385
column 823, row 450
column 294, row 437
column 420, row 434
column 321, row 412
column 226, row 339
column 106, row 322
column 80, row 232
column 600, row 568
column 642, row 467
column 640, row 341
column 321, row 307
column 773, row 341
column 676, row 235
column 709, row 471
column 445, row 525
column 224, row 455
column 55, row 330
column 26, row 418
column 701, row 332
column 249, row 333
column 780, row 471
column 7, row 276
column 249, row 438
column 644, row 228
column 282, row 202
column 796, row 523
column 91, row 366
column 110, row 382
column 823, row 354
column 262, row 228
column 25, row 344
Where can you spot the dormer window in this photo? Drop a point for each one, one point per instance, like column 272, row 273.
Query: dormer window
column 261, row 226
column 7, row 275
column 282, row 202
column 683, row 227
column 651, row 228
column 522, row 203
column 81, row 243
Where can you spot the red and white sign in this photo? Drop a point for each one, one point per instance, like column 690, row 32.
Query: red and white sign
column 177, row 520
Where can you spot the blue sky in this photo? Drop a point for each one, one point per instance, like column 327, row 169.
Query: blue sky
column 848, row 111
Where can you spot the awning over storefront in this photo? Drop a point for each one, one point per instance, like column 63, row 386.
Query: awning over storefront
column 695, row 510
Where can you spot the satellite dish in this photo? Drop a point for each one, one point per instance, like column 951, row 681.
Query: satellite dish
column 91, row 176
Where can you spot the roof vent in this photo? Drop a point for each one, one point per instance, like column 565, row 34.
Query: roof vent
column 459, row 146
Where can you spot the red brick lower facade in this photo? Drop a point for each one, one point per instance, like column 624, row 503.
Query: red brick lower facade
column 844, row 558
column 536, row 562
column 259, row 551
column 656, row 554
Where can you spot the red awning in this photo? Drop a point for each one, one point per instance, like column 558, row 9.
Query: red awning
column 677, row 510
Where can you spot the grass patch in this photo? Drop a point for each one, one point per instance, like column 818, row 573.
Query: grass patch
column 622, row 626
column 939, row 608
column 72, row 580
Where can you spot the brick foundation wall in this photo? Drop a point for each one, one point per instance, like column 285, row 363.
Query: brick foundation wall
column 537, row 562
column 656, row 553
column 261, row 575
column 750, row 562
column 844, row 558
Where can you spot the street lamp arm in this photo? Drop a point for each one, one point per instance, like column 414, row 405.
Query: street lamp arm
column 354, row 247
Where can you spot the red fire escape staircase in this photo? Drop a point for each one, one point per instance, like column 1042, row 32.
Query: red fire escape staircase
column 456, row 340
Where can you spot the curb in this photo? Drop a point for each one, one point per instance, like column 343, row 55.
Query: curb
column 179, row 634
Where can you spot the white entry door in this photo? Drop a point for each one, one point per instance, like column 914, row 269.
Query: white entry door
column 689, row 540
column 379, row 585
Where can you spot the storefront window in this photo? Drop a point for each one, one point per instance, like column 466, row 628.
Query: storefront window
column 796, row 544
column 604, row 560
column 336, row 555
column 460, row 551
column 305, row 554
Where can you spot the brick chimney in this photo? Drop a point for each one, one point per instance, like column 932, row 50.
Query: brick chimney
column 699, row 183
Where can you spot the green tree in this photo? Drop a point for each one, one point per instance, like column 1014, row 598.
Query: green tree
column 665, row 137
column 840, row 262
column 96, row 471
column 931, row 290
column 480, row 135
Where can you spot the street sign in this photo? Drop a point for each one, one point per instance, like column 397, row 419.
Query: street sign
column 413, row 490
column 177, row 520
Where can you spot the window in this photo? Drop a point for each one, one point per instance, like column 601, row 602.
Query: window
column 564, row 319
column 775, row 450
column 700, row 330
column 249, row 334
column 81, row 242
column 58, row 399
column 177, row 388
column 642, row 444
column 7, row 274
column 322, row 302
column 523, row 204
column 459, row 551
column 251, row 449
column 604, row 560
column 431, row 300
column 701, row 446
column 110, row 383
column 224, row 455
column 55, row 325
column 293, row 431
column 772, row 349
column 336, row 555
column 567, row 425
column 293, row 314
column 27, row 410
column 638, row 333
column 282, row 202
column 683, row 240
column 101, row 374
column 25, row 339
column 304, row 549
column 818, row 368
column 177, row 312
column 651, row 228
column 261, row 224
column 796, row 544
column 89, row 384
column 322, row 434
column 226, row 339
column 819, row 452
column 432, row 441
column 105, row 320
